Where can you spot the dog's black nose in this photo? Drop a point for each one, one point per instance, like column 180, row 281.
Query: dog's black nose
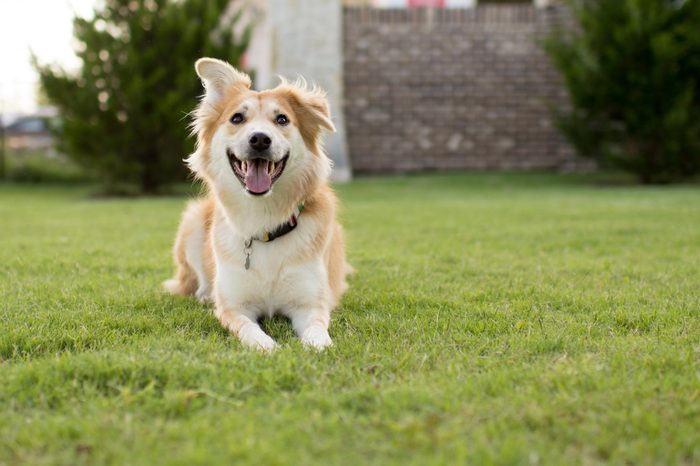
column 260, row 141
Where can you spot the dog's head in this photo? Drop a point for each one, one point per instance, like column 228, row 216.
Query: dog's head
column 255, row 143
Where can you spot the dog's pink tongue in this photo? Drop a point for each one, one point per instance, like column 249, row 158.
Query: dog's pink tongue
column 257, row 180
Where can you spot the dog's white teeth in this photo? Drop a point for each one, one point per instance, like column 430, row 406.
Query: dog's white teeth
column 244, row 166
column 271, row 168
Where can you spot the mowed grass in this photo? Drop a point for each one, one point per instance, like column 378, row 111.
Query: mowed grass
column 492, row 319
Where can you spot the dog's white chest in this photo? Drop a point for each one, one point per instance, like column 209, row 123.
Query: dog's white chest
column 272, row 282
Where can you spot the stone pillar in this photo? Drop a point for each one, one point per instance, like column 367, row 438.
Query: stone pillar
column 543, row 3
column 304, row 37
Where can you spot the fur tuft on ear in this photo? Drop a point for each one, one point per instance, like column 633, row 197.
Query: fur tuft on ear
column 309, row 103
column 217, row 76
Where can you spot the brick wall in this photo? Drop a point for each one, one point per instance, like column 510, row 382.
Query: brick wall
column 451, row 89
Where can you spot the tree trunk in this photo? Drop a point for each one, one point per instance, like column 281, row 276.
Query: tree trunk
column 149, row 185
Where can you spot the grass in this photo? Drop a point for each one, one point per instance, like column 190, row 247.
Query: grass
column 493, row 319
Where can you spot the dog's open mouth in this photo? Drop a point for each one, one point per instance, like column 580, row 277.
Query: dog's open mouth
column 257, row 175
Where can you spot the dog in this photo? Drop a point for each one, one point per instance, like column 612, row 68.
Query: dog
column 264, row 240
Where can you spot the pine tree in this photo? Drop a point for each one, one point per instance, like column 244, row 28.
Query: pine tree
column 632, row 71
column 124, row 113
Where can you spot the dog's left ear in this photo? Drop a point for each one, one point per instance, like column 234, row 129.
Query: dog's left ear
column 310, row 107
column 314, row 102
column 217, row 77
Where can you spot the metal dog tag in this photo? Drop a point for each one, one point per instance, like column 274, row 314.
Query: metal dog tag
column 248, row 249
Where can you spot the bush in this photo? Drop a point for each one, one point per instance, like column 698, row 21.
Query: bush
column 632, row 70
column 124, row 113
column 42, row 167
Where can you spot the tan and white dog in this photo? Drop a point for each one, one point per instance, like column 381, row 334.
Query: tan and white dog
column 265, row 239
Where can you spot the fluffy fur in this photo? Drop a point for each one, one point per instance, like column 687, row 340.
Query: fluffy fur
column 301, row 274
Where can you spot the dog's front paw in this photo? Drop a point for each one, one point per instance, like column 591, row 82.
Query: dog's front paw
column 260, row 342
column 316, row 338
column 203, row 295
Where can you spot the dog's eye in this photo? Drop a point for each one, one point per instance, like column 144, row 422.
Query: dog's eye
column 282, row 120
column 237, row 118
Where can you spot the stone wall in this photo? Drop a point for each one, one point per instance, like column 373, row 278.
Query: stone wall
column 451, row 89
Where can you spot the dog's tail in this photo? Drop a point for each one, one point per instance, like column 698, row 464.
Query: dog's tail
column 184, row 283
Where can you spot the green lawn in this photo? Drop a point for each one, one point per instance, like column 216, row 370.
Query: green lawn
column 493, row 319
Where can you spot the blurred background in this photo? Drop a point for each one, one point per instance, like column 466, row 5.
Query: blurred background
column 99, row 90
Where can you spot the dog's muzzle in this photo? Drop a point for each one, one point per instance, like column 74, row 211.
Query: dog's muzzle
column 257, row 174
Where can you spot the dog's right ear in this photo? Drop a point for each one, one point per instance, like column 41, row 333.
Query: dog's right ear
column 217, row 77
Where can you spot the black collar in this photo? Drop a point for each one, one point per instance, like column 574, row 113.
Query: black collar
column 282, row 229
column 268, row 236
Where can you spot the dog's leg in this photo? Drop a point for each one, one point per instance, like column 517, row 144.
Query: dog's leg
column 312, row 327
column 311, row 313
column 246, row 329
column 190, row 251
